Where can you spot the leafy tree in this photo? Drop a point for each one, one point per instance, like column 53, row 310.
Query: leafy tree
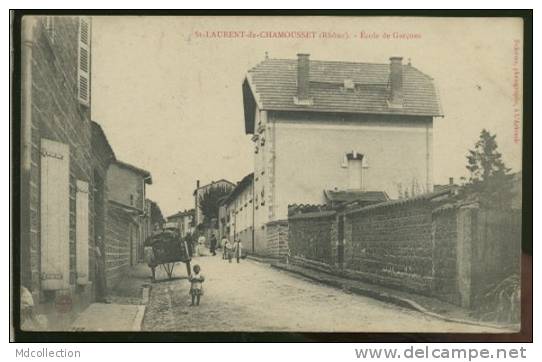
column 484, row 161
column 489, row 177
column 156, row 214
column 209, row 201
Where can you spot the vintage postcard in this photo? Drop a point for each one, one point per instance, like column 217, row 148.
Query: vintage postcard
column 270, row 174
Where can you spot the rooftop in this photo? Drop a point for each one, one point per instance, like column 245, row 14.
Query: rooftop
column 355, row 195
column 272, row 85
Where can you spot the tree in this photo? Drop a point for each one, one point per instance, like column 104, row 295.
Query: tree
column 484, row 161
column 156, row 214
column 488, row 174
column 209, row 201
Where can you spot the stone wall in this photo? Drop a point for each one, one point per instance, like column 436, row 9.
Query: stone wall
column 277, row 238
column 118, row 246
column 311, row 235
column 429, row 245
column 58, row 116
column 391, row 245
column 444, row 236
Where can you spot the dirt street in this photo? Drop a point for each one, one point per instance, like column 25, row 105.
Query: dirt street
column 252, row 296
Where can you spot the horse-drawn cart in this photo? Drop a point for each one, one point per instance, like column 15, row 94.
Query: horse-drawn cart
column 165, row 249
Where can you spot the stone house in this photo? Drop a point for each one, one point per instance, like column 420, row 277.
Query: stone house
column 62, row 189
column 325, row 125
column 126, row 207
column 185, row 221
column 200, row 191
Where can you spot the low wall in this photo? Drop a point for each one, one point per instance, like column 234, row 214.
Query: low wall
column 391, row 245
column 312, row 236
column 277, row 238
column 429, row 245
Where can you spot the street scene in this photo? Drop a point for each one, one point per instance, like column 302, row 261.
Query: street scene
column 274, row 300
column 176, row 179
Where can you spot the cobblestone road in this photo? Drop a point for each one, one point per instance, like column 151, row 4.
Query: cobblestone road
column 252, row 296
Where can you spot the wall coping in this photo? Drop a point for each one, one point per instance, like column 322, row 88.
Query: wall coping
column 401, row 202
column 313, row 215
column 283, row 222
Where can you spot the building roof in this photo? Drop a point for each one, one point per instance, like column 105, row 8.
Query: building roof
column 271, row 85
column 98, row 134
column 222, row 180
column 181, row 214
column 355, row 195
column 241, row 185
column 144, row 173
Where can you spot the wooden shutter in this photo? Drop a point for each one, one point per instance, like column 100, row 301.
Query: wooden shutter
column 83, row 64
column 55, row 213
column 81, row 232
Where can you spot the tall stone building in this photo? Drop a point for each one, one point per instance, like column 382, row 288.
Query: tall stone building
column 59, row 170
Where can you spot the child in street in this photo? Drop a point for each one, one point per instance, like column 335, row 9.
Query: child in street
column 196, row 285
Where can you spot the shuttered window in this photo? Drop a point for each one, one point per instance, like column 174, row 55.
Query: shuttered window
column 55, row 212
column 81, row 232
column 83, row 73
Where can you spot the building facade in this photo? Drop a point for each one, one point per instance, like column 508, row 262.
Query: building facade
column 125, row 219
column 59, row 171
column 184, row 220
column 238, row 215
column 323, row 125
column 201, row 190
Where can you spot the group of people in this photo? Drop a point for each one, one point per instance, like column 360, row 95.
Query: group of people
column 229, row 250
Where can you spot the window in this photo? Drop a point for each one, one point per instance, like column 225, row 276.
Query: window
column 355, row 167
column 83, row 69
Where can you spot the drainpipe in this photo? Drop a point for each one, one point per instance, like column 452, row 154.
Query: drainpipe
column 27, row 41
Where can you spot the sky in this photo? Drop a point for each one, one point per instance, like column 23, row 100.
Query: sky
column 170, row 101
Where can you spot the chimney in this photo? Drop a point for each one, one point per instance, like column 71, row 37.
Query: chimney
column 197, row 184
column 303, row 82
column 451, row 180
column 396, row 82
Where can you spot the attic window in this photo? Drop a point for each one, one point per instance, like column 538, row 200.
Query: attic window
column 349, row 84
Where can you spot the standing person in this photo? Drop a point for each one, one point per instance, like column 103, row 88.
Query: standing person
column 213, row 243
column 99, row 262
column 228, row 250
column 238, row 249
column 196, row 285
column 200, row 244
column 223, row 243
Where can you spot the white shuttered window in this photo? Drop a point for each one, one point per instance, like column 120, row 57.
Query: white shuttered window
column 55, row 212
column 81, row 232
column 83, row 68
